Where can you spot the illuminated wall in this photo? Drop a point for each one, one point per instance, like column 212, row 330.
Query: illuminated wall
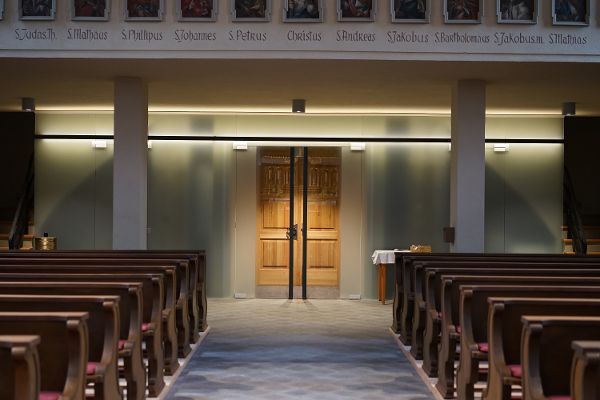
column 393, row 194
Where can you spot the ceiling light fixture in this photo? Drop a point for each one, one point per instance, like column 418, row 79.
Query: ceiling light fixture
column 298, row 105
column 28, row 104
column 568, row 108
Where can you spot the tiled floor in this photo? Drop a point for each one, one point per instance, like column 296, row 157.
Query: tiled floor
column 280, row 349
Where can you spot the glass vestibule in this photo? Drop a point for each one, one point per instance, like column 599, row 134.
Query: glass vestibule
column 298, row 238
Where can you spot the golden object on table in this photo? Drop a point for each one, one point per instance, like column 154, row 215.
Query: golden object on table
column 420, row 248
column 44, row 243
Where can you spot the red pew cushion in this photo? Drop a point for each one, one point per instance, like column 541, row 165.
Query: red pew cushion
column 145, row 327
column 516, row 370
column 49, row 395
column 483, row 347
column 91, row 368
column 122, row 344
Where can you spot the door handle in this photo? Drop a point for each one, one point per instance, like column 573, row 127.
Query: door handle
column 292, row 232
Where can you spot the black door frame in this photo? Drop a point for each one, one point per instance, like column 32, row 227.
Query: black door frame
column 293, row 228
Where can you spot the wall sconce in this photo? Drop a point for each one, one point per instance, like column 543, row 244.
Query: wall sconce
column 298, row 106
column 28, row 104
column 149, row 144
column 568, row 108
column 240, row 146
column 99, row 144
column 501, row 147
column 357, row 146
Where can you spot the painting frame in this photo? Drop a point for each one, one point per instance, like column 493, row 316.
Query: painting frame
column 302, row 17
column 212, row 16
column 559, row 19
column 104, row 17
column 128, row 4
column 505, row 12
column 267, row 9
column 449, row 17
column 372, row 10
column 26, row 15
column 410, row 20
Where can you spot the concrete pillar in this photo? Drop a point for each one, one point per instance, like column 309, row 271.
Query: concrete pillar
column 467, row 181
column 130, row 164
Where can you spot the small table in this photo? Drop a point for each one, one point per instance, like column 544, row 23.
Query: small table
column 383, row 258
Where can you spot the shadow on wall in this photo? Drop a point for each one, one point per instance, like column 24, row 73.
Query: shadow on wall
column 73, row 186
column 523, row 210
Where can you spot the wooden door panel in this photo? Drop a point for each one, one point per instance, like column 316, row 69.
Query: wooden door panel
column 275, row 214
column 274, row 254
column 321, row 254
column 322, row 215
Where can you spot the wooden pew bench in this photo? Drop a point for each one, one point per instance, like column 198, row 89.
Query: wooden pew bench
column 433, row 302
column 547, row 353
column 427, row 285
column 152, row 311
column 130, row 312
column 449, row 318
column 197, row 259
column 404, row 286
column 166, row 357
column 103, row 327
column 585, row 370
column 197, row 273
column 19, row 367
column 475, row 342
column 182, row 318
column 63, row 349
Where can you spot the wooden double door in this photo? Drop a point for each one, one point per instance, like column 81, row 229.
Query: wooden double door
column 322, row 194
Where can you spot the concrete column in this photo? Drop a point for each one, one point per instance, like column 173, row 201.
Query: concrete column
column 467, row 181
column 130, row 164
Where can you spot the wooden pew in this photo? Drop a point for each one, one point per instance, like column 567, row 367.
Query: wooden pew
column 19, row 367
column 434, row 291
column 450, row 328
column 546, row 354
column 404, row 286
column 169, row 330
column 152, row 310
column 197, row 272
column 585, row 370
column 476, row 345
column 62, row 351
column 130, row 312
column 103, row 326
column 428, row 286
column 182, row 319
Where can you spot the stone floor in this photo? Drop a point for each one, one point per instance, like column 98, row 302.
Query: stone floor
column 280, row 349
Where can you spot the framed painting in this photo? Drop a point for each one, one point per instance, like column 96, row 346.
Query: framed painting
column 463, row 11
column 90, row 10
column 143, row 10
column 303, row 10
column 570, row 12
column 251, row 10
column 517, row 11
column 197, row 10
column 37, row 9
column 356, row 10
column 410, row 11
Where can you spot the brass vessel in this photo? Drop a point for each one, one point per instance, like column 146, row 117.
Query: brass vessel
column 44, row 243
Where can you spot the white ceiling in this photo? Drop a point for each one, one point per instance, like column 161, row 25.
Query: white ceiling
column 327, row 85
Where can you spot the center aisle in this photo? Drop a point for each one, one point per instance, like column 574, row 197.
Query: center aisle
column 280, row 349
